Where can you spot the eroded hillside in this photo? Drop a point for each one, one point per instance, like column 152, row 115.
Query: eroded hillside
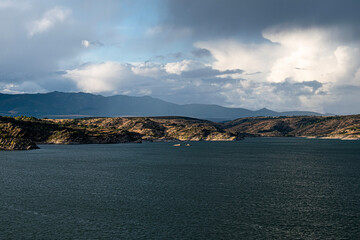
column 26, row 132
column 343, row 127
column 157, row 128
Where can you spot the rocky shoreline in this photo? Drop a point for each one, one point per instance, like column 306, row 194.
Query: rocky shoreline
column 24, row 133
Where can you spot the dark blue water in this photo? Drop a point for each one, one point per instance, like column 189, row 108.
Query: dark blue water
column 253, row 189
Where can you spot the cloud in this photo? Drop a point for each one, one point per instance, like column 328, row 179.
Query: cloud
column 103, row 77
column 208, row 72
column 311, row 88
column 169, row 31
column 17, row 5
column 185, row 65
column 278, row 54
column 154, row 31
column 164, row 36
column 87, row 44
column 115, row 77
column 147, row 69
column 49, row 20
column 233, row 54
column 176, row 55
column 298, row 67
column 290, row 88
column 172, row 82
column 53, row 46
column 248, row 18
column 315, row 51
column 201, row 52
column 24, row 87
column 284, row 96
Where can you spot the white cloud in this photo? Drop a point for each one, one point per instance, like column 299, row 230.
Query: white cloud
column 299, row 54
column 117, row 77
column 185, row 65
column 148, row 69
column 85, row 43
column 24, row 87
column 143, row 79
column 293, row 55
column 49, row 20
column 310, row 54
column 102, row 77
column 231, row 54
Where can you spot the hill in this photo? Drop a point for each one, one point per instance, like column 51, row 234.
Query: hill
column 343, row 127
column 22, row 133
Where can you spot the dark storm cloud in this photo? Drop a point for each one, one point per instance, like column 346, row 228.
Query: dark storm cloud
column 248, row 18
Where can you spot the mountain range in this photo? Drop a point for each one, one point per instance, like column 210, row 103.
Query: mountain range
column 77, row 105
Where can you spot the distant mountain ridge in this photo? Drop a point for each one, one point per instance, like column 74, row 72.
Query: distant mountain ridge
column 74, row 105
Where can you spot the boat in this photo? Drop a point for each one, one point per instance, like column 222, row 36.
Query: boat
column 177, row 145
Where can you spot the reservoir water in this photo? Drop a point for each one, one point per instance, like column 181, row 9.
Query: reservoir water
column 262, row 188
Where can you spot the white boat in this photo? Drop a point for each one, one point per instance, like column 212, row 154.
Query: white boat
column 177, row 145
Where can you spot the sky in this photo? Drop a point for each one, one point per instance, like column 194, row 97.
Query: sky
column 280, row 54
